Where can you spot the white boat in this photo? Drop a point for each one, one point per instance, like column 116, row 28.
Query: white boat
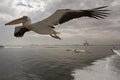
column 77, row 50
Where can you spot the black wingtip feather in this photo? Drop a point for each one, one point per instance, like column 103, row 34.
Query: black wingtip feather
column 98, row 13
column 100, row 7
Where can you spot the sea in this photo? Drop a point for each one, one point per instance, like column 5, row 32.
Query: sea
column 55, row 62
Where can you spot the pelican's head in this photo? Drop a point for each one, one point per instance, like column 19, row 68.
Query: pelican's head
column 25, row 20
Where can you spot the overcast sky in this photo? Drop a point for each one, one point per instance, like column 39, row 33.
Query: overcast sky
column 105, row 31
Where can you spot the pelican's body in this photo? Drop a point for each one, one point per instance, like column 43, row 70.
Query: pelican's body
column 46, row 26
column 42, row 29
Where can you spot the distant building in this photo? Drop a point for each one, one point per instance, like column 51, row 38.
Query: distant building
column 86, row 43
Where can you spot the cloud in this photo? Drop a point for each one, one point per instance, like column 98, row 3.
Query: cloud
column 24, row 5
column 7, row 11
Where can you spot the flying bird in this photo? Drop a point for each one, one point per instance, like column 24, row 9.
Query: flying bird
column 61, row 16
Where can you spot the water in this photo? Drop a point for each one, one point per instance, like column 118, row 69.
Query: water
column 54, row 62
column 107, row 69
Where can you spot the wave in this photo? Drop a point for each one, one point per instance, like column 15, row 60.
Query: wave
column 13, row 47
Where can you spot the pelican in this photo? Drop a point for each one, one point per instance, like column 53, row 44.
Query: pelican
column 61, row 16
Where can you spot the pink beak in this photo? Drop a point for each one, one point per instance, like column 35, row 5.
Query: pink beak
column 16, row 21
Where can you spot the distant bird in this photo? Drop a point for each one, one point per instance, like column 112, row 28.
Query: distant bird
column 46, row 26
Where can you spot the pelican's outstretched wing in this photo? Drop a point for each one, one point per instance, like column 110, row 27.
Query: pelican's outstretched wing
column 19, row 31
column 64, row 15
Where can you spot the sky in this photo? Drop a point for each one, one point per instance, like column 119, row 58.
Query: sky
column 104, row 31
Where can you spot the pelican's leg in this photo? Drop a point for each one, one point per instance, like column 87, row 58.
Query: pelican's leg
column 55, row 36
column 52, row 36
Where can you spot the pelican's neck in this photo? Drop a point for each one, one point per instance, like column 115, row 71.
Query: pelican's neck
column 28, row 22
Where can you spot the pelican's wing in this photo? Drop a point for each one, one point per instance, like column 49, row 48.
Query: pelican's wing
column 64, row 15
column 19, row 31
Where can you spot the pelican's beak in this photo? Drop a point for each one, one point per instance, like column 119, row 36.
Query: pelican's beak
column 16, row 21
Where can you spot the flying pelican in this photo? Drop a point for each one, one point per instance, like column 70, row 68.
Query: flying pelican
column 46, row 26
